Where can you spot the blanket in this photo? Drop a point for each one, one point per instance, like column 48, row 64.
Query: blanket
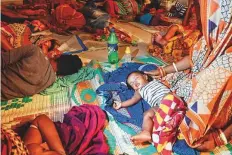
column 82, row 131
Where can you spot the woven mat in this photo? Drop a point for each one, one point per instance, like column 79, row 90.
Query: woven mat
column 16, row 112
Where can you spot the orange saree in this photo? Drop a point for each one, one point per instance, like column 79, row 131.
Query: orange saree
column 208, row 88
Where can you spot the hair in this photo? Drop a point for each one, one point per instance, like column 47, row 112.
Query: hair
column 53, row 43
column 149, row 78
column 68, row 64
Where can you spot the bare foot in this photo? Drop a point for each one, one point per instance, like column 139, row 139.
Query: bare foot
column 159, row 39
column 142, row 137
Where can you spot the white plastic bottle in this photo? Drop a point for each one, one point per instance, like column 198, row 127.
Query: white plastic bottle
column 127, row 55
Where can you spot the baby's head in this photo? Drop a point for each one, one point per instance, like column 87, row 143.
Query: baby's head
column 137, row 79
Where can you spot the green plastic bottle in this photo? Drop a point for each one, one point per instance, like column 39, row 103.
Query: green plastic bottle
column 112, row 47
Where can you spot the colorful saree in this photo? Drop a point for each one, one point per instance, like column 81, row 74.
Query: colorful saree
column 208, row 88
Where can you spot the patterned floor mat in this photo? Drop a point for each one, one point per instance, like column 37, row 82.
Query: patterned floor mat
column 18, row 111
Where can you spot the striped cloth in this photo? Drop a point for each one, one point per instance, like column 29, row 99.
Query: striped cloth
column 154, row 92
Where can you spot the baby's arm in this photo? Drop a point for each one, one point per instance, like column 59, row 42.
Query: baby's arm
column 129, row 102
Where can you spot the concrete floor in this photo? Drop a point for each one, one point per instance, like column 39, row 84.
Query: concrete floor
column 143, row 38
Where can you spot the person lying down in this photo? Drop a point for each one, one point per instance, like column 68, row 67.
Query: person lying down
column 154, row 92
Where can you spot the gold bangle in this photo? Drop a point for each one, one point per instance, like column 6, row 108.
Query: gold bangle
column 223, row 137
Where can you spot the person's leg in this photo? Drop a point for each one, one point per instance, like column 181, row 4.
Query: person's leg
column 145, row 134
column 163, row 40
column 171, row 32
column 43, row 129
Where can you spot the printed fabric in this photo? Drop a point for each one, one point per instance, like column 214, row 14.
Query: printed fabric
column 17, row 34
column 11, row 143
column 166, row 122
column 207, row 88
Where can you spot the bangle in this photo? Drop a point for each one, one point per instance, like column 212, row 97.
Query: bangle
column 162, row 71
column 174, row 65
column 223, row 137
column 216, row 137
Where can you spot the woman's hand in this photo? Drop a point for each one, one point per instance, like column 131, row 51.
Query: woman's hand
column 155, row 74
column 117, row 105
column 207, row 143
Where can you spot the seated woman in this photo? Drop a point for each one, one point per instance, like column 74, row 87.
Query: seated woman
column 26, row 71
column 204, row 80
column 179, row 40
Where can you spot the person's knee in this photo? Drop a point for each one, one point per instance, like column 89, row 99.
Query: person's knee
column 149, row 114
column 40, row 119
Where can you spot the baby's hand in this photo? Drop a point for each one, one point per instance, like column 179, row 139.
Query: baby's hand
column 117, row 105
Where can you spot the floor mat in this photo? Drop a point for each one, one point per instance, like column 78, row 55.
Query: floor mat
column 16, row 112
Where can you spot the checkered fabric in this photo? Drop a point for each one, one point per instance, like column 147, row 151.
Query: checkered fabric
column 166, row 122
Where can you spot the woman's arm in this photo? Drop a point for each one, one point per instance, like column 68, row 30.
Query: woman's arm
column 181, row 65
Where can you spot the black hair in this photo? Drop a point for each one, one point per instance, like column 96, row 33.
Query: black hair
column 149, row 78
column 68, row 64
column 53, row 43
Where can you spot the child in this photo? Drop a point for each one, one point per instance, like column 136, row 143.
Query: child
column 151, row 91
column 190, row 23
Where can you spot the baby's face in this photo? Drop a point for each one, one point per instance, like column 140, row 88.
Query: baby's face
column 137, row 80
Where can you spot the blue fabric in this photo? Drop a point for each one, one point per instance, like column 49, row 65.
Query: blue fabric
column 115, row 83
column 122, row 72
column 145, row 19
column 181, row 148
column 136, row 111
